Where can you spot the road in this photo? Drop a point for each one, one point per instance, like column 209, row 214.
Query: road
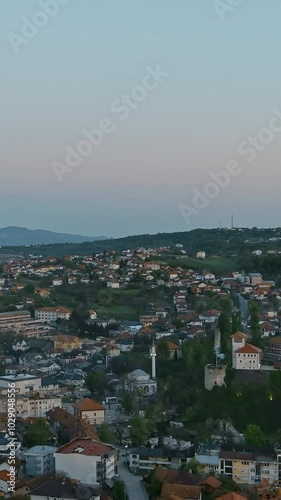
column 244, row 309
column 134, row 487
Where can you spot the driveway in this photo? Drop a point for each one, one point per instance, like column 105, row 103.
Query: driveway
column 134, row 487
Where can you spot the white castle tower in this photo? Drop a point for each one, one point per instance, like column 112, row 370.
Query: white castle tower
column 153, row 361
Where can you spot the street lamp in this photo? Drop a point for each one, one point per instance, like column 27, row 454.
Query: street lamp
column 126, row 448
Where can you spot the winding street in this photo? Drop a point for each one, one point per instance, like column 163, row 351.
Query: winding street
column 134, row 487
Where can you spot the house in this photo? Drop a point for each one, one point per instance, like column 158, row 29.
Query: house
column 146, row 459
column 114, row 283
column 86, row 460
column 180, row 491
column 57, row 281
column 59, row 489
column 174, row 350
column 68, row 424
column 92, row 314
column 244, row 356
column 4, row 481
column 255, row 278
column 52, row 313
column 66, row 343
column 39, row 460
column 268, row 329
column 89, row 409
column 210, row 316
column 148, row 320
column 43, row 292
column 201, row 255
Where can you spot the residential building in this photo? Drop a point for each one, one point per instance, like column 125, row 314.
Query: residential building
column 146, row 459
column 272, row 350
column 60, row 490
column 210, row 316
column 201, row 255
column 174, row 350
column 148, row 319
column 39, row 460
column 86, row 460
column 67, row 343
column 14, row 316
column 33, row 406
column 89, row 409
column 23, row 383
column 255, row 278
column 52, row 313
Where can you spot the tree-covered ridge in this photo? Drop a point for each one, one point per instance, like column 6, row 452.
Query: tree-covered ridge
column 212, row 241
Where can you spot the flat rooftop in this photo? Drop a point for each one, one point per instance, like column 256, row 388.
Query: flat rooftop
column 19, row 378
column 40, row 450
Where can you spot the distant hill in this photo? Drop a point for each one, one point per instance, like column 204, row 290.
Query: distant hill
column 222, row 242
column 21, row 236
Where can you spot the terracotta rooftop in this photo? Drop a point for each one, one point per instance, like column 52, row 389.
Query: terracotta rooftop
column 239, row 335
column 181, row 491
column 231, row 496
column 87, row 404
column 85, row 446
column 249, row 349
column 171, row 346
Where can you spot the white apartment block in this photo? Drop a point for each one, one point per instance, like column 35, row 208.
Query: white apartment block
column 87, row 460
column 52, row 313
column 31, row 407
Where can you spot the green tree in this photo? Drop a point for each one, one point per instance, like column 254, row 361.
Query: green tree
column 162, row 350
column 255, row 323
column 29, row 289
column 38, row 434
column 128, row 399
column 96, row 383
column 154, row 486
column 106, row 434
column 118, row 491
column 193, row 465
column 254, row 435
column 139, row 430
column 226, row 304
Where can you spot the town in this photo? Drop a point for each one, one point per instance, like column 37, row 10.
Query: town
column 135, row 376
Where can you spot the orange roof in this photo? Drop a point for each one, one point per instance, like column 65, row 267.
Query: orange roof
column 239, row 335
column 87, row 404
column 85, row 446
column 231, row 496
column 211, row 481
column 171, row 346
column 181, row 490
column 4, row 476
column 249, row 348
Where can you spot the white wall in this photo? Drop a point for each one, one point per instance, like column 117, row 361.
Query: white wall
column 77, row 466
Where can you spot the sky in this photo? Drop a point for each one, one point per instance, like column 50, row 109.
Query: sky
column 201, row 76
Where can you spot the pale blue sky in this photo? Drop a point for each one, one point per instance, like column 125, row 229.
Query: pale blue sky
column 224, row 80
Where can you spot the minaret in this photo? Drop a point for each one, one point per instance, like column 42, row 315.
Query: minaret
column 153, row 360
